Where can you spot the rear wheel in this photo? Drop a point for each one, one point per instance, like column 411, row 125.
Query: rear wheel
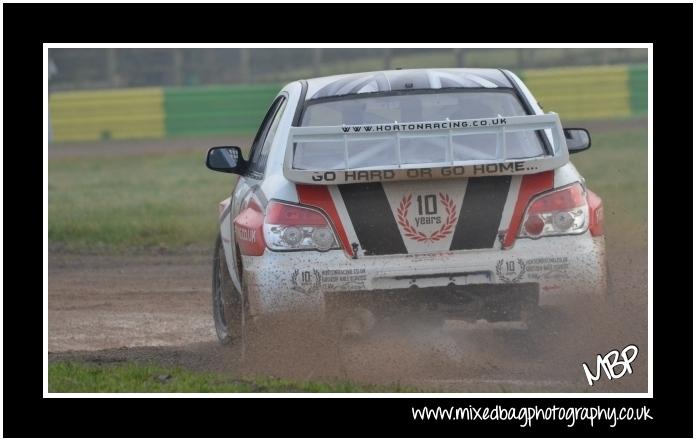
column 229, row 309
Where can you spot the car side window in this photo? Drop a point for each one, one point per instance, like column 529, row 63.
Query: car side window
column 264, row 138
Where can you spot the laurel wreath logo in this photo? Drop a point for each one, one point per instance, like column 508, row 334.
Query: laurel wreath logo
column 419, row 236
column 517, row 278
column 314, row 287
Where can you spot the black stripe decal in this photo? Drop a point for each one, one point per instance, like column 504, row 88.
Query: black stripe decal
column 372, row 218
column 482, row 209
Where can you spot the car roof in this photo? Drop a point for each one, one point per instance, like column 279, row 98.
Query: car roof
column 405, row 79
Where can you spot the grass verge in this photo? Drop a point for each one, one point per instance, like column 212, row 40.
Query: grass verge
column 164, row 200
column 70, row 377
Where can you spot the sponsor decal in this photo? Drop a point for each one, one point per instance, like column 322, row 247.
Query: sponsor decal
column 502, row 167
column 427, row 126
column 350, row 176
column 427, row 214
column 248, row 231
column 246, row 234
column 306, row 282
column 510, row 271
column 351, row 278
column 547, row 267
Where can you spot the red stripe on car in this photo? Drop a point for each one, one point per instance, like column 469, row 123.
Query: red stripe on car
column 596, row 214
column 531, row 186
column 248, row 230
column 318, row 196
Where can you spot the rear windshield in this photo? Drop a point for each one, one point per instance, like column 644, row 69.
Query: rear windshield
column 406, row 108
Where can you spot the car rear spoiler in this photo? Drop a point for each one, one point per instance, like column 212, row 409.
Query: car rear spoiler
column 555, row 156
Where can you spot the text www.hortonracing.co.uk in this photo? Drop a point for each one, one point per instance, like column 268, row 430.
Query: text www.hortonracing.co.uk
column 526, row 415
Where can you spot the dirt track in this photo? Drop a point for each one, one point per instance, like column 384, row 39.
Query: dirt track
column 157, row 308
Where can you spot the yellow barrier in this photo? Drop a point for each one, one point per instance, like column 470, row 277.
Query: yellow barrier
column 107, row 114
column 582, row 93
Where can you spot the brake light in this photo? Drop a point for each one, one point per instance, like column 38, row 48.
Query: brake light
column 294, row 227
column 559, row 212
column 286, row 214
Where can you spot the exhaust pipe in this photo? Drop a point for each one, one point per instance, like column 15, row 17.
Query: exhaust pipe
column 357, row 323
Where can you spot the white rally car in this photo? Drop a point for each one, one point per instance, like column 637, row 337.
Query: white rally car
column 445, row 193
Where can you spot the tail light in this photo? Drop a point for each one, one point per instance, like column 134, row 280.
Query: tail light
column 289, row 227
column 559, row 212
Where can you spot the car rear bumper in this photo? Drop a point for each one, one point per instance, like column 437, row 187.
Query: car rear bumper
column 560, row 267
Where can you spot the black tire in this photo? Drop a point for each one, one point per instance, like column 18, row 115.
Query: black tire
column 229, row 306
